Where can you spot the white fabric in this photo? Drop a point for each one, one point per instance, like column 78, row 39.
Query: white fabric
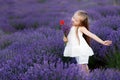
column 73, row 49
column 82, row 60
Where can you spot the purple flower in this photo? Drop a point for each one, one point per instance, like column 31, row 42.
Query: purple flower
column 65, row 28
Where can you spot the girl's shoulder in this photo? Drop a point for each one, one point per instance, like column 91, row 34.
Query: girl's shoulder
column 80, row 30
column 81, row 27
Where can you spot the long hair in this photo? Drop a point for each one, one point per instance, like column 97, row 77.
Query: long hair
column 84, row 23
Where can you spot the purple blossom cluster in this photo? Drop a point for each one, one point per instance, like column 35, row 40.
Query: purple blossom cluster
column 31, row 48
column 19, row 15
column 104, row 74
column 99, row 12
column 30, row 41
column 107, row 28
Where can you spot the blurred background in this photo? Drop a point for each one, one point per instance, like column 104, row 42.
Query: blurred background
column 31, row 45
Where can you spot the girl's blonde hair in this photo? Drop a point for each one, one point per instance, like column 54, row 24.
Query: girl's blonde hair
column 83, row 23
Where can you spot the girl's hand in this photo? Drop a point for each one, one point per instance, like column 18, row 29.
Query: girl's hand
column 107, row 42
column 65, row 39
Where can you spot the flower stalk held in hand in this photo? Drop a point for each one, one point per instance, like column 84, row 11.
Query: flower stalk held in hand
column 65, row 28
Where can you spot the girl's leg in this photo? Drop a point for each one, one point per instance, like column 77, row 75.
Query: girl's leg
column 78, row 63
column 85, row 68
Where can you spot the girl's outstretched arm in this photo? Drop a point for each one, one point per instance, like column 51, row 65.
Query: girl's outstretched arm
column 93, row 36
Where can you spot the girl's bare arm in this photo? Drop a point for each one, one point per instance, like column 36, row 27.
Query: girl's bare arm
column 93, row 36
column 65, row 39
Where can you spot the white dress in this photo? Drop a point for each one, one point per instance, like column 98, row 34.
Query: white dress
column 73, row 49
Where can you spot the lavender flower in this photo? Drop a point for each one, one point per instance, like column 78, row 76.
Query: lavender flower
column 64, row 27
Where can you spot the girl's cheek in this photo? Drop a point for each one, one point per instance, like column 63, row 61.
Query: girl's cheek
column 73, row 22
column 76, row 23
column 72, row 19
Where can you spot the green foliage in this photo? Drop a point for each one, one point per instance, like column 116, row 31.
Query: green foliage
column 96, row 62
column 35, row 25
column 19, row 26
column 113, row 60
column 5, row 44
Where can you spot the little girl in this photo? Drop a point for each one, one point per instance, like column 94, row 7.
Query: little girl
column 78, row 40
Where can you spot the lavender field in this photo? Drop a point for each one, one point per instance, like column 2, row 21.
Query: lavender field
column 31, row 43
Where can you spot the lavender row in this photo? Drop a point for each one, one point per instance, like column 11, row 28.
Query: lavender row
column 19, row 15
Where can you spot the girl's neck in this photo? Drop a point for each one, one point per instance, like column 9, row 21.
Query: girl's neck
column 75, row 26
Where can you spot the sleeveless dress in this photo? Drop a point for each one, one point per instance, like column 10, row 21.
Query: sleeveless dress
column 73, row 49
